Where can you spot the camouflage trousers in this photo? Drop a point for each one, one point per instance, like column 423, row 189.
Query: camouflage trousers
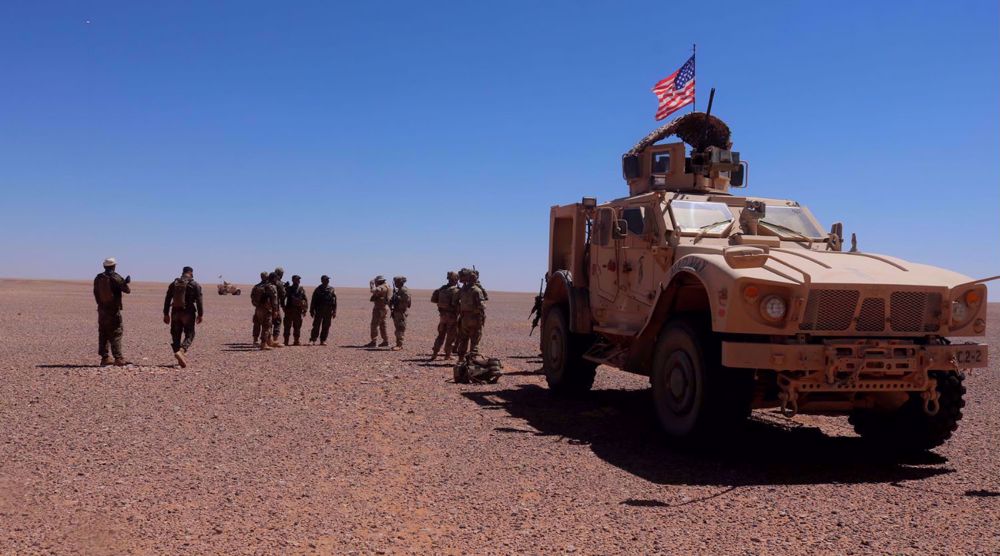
column 447, row 332
column 293, row 324
column 321, row 325
column 379, row 314
column 181, row 323
column 109, row 332
column 399, row 325
column 470, row 332
column 276, row 325
column 262, row 318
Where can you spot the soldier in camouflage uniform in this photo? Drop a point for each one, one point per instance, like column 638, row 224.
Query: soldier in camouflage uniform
column 182, row 309
column 280, row 274
column 296, row 305
column 108, row 289
column 380, row 310
column 323, row 310
column 399, row 304
column 255, row 294
column 266, row 311
column 472, row 314
column 446, row 298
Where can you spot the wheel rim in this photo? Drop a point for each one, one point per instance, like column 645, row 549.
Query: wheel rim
column 556, row 343
column 679, row 386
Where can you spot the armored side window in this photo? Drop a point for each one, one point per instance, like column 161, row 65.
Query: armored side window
column 636, row 219
column 661, row 163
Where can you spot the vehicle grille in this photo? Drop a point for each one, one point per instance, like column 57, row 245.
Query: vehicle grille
column 914, row 311
column 872, row 315
column 830, row 310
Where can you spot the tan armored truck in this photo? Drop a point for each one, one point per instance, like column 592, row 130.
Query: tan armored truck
column 731, row 302
column 227, row 288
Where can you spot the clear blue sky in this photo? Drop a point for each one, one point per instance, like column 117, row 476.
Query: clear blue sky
column 370, row 137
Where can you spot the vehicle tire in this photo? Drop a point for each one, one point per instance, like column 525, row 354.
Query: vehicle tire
column 692, row 392
column 909, row 428
column 562, row 355
column 237, row 292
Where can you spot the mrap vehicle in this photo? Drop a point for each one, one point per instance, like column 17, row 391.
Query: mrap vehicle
column 731, row 302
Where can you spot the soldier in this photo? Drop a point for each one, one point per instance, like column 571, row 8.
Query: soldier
column 446, row 298
column 267, row 310
column 472, row 313
column 108, row 289
column 323, row 310
column 380, row 310
column 256, row 295
column 296, row 305
column 475, row 276
column 399, row 304
column 182, row 309
column 279, row 273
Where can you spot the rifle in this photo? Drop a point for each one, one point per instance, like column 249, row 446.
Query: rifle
column 537, row 308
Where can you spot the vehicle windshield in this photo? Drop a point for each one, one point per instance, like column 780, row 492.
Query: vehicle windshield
column 790, row 221
column 701, row 216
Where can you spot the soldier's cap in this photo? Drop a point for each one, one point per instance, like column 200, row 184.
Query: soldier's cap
column 380, row 278
column 452, row 274
column 263, row 275
column 399, row 278
column 279, row 270
column 186, row 270
column 110, row 261
column 464, row 272
column 324, row 278
column 296, row 277
column 272, row 276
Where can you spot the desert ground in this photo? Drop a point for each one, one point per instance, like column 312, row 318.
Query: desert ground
column 341, row 449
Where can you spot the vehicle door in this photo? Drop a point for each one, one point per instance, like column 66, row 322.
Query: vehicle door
column 641, row 254
column 604, row 269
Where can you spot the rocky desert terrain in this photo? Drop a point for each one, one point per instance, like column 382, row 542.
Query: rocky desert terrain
column 341, row 449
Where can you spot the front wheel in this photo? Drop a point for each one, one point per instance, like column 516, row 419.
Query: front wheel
column 910, row 428
column 566, row 371
column 692, row 392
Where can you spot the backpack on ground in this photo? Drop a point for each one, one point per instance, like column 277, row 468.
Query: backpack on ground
column 476, row 369
column 180, row 288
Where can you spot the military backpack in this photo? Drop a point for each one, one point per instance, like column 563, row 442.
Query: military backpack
column 476, row 369
column 257, row 294
column 179, row 292
column 105, row 291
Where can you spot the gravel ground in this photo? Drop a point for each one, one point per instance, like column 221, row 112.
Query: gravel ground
column 343, row 449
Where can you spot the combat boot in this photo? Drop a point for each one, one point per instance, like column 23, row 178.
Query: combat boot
column 434, row 356
column 286, row 340
column 385, row 343
column 397, row 347
column 322, row 343
column 181, row 360
column 106, row 360
column 370, row 344
column 297, row 343
column 120, row 362
column 264, row 345
column 276, row 344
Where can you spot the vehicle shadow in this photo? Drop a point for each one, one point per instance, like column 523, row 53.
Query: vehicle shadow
column 620, row 427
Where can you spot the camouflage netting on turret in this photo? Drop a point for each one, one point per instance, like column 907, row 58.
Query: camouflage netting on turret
column 692, row 130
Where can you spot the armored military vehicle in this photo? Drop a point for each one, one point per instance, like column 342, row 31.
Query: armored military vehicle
column 226, row 288
column 731, row 302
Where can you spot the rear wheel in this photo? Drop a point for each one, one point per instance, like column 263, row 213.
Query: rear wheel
column 692, row 392
column 562, row 355
column 910, row 428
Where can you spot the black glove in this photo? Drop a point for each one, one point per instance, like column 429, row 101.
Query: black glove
column 128, row 279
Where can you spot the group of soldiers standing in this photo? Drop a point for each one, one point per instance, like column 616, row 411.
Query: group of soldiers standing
column 271, row 297
column 461, row 304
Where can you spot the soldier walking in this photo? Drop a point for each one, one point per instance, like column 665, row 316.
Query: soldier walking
column 296, row 305
column 399, row 304
column 323, row 310
column 380, row 310
column 267, row 310
column 182, row 309
column 280, row 286
column 472, row 313
column 108, row 289
column 446, row 298
column 256, row 295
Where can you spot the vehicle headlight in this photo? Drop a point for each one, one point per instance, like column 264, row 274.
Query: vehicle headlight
column 959, row 311
column 773, row 307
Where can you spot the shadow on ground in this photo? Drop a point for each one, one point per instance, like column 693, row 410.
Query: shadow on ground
column 620, row 427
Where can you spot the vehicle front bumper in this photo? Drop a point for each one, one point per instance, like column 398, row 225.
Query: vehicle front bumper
column 869, row 356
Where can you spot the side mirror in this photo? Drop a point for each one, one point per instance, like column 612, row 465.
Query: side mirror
column 620, row 230
column 630, row 166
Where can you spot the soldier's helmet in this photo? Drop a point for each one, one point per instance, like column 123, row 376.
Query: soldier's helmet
column 296, row 277
column 263, row 275
column 464, row 274
column 272, row 277
column 379, row 279
column 279, row 272
column 399, row 280
column 324, row 278
column 452, row 275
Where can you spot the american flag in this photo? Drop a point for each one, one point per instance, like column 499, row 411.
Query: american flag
column 676, row 91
